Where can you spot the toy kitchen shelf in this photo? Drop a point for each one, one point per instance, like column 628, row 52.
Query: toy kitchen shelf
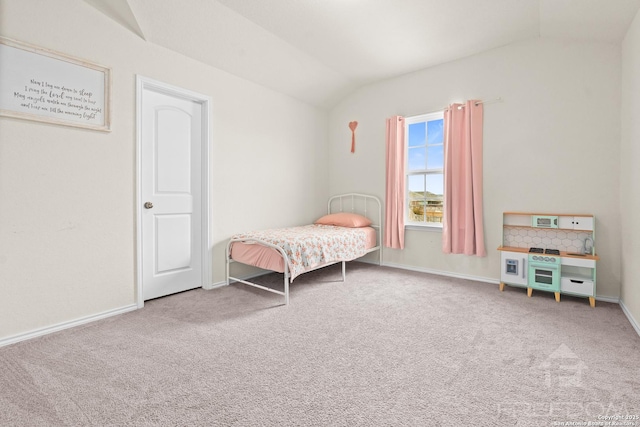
column 549, row 252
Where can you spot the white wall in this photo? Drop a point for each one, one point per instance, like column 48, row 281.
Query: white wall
column 552, row 145
column 67, row 195
column 67, row 212
column 629, row 170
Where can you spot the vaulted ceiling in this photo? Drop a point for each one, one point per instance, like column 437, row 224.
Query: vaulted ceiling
column 320, row 50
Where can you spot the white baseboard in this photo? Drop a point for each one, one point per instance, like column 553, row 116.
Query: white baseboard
column 224, row 282
column 632, row 320
column 368, row 261
column 215, row 285
column 92, row 318
column 603, row 298
column 614, row 300
column 66, row 325
column 442, row 273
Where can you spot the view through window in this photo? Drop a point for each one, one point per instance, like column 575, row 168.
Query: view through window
column 425, row 169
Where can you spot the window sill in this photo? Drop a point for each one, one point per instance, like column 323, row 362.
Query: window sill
column 429, row 228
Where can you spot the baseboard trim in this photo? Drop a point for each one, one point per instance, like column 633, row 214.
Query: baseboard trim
column 365, row 261
column 66, row 325
column 399, row 266
column 214, row 285
column 442, row 273
column 224, row 282
column 632, row 320
column 603, row 298
column 612, row 300
column 92, row 318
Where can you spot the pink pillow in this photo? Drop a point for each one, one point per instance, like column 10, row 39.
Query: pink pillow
column 344, row 219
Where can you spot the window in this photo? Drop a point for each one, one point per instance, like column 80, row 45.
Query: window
column 425, row 169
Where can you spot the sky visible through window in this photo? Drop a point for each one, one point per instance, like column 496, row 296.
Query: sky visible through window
column 426, row 152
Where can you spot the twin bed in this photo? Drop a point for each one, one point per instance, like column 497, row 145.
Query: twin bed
column 351, row 229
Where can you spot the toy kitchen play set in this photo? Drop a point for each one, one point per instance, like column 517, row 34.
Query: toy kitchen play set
column 549, row 252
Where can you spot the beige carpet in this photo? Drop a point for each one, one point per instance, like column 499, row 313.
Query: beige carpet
column 386, row 348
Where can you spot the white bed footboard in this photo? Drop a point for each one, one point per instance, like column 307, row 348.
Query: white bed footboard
column 255, row 285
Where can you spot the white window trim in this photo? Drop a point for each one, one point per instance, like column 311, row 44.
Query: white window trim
column 412, row 225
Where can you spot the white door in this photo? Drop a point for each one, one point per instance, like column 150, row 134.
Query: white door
column 171, row 183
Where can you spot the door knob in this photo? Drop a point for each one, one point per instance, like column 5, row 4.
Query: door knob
column 148, row 205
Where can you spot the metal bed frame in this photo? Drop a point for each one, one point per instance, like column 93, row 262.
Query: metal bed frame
column 349, row 202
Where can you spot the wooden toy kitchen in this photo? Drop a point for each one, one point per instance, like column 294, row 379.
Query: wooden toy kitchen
column 549, row 252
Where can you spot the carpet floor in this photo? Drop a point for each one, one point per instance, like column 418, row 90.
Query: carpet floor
column 385, row 348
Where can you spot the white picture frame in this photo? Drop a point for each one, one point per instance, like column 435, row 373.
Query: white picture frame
column 47, row 86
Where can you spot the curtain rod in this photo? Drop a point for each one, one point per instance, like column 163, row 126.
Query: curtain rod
column 491, row 101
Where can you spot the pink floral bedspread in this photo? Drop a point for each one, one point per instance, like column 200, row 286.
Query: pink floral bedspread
column 311, row 246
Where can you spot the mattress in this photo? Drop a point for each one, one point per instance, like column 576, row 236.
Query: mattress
column 327, row 251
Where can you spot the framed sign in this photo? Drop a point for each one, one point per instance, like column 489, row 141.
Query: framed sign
column 39, row 84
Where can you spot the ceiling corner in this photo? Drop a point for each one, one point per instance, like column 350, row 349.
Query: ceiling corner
column 120, row 11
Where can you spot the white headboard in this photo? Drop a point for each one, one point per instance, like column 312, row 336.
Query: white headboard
column 362, row 204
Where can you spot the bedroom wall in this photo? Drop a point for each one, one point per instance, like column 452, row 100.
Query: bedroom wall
column 67, row 195
column 552, row 145
column 629, row 171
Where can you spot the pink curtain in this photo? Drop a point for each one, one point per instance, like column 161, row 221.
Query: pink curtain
column 394, row 204
column 462, row 224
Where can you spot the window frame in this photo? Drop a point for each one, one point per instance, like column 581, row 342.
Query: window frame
column 422, row 118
